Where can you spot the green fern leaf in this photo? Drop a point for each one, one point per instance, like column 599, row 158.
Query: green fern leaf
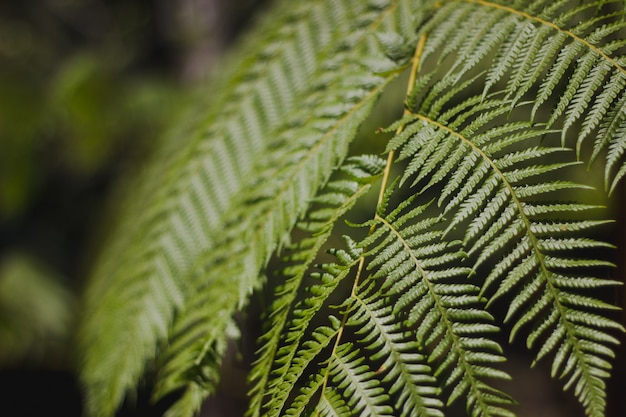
column 296, row 165
column 537, row 45
column 203, row 181
column 277, row 203
column 449, row 317
column 355, row 381
column 482, row 195
column 290, row 362
column 403, row 367
column 336, row 198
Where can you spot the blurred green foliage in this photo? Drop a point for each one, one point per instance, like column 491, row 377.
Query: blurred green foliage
column 36, row 310
column 85, row 88
column 74, row 120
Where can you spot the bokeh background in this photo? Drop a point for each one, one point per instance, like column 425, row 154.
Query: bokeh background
column 86, row 87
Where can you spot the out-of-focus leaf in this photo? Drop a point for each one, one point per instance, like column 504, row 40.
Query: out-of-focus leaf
column 35, row 310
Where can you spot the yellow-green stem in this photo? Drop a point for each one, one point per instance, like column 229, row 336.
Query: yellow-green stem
column 415, row 62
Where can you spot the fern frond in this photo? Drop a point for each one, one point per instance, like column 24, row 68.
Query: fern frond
column 289, row 364
column 336, row 198
column 285, row 196
column 425, row 274
column 225, row 193
column 298, row 162
column 359, row 384
column 551, row 296
column 349, row 375
column 538, row 45
column 307, row 392
column 492, row 190
column 333, row 405
column 403, row 368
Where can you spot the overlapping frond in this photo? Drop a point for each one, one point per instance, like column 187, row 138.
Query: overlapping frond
column 334, row 200
column 356, row 378
column 403, row 366
column 194, row 192
column 566, row 57
column 298, row 161
column 495, row 187
column 302, row 345
column 425, row 277
column 384, row 371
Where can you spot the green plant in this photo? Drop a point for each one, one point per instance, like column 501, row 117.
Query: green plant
column 476, row 204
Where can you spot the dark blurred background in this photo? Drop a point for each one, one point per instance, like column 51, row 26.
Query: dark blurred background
column 85, row 88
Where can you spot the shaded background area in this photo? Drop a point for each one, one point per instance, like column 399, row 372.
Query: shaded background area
column 85, row 88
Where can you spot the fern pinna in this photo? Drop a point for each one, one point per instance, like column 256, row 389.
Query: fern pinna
column 478, row 206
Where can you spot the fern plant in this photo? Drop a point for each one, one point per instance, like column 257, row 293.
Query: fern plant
column 504, row 100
